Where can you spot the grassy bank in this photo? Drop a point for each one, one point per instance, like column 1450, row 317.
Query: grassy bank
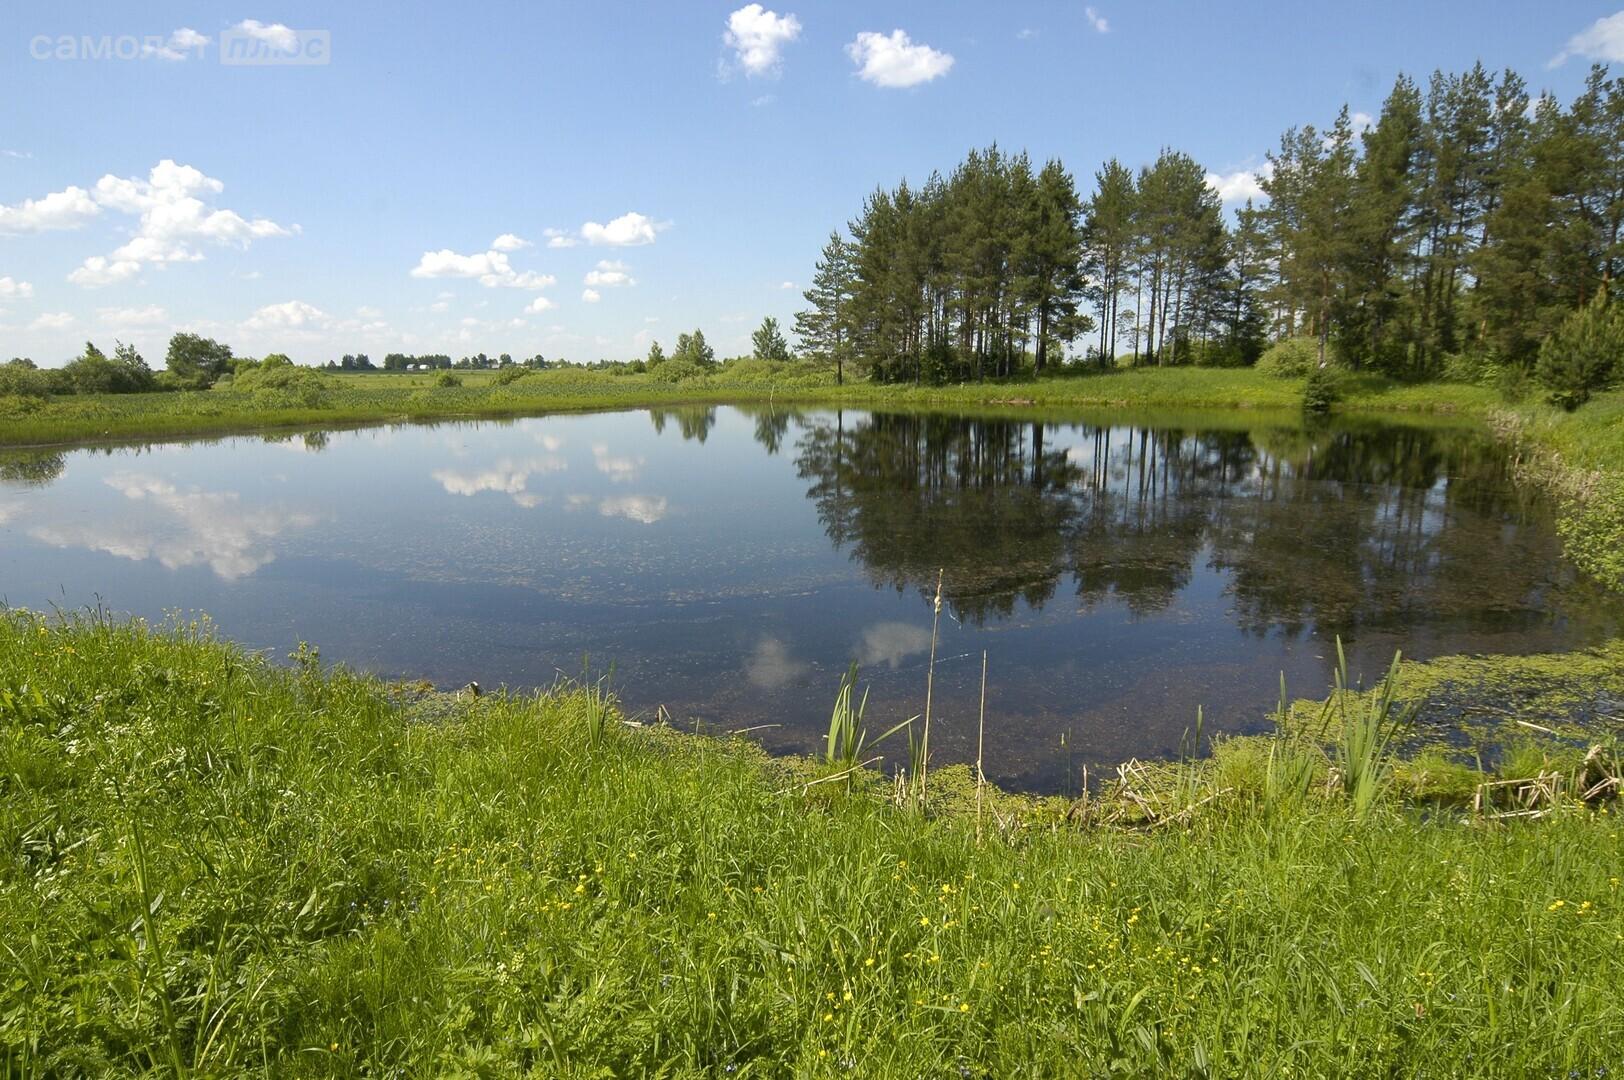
column 1578, row 458
column 211, row 865
column 373, row 398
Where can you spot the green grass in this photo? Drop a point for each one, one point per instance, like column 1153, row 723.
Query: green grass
column 211, row 865
column 352, row 399
column 1578, row 458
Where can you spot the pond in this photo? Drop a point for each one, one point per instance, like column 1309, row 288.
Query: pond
column 1118, row 571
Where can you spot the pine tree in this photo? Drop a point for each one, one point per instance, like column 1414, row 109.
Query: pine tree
column 822, row 328
column 1381, row 212
column 768, row 343
column 1108, row 241
column 1582, row 355
column 1053, row 251
column 693, row 349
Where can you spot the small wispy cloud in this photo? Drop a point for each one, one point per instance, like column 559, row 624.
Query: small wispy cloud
column 1602, row 40
column 1097, row 21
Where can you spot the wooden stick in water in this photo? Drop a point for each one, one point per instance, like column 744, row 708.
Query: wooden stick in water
column 981, row 731
column 930, row 685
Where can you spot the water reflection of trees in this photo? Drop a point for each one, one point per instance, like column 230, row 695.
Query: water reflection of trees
column 32, row 468
column 1340, row 526
column 694, row 421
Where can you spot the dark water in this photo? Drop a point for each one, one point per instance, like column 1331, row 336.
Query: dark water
column 730, row 562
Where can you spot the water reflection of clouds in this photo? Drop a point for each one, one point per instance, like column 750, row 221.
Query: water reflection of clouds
column 208, row 528
column 645, row 509
column 891, row 643
column 619, row 470
column 771, row 667
column 507, row 477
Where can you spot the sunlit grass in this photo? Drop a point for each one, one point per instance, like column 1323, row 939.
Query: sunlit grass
column 350, row 399
column 256, row 870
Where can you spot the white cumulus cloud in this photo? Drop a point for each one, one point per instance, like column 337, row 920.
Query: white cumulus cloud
column 276, row 35
column 627, row 230
column 1602, row 40
column 490, row 268
column 52, row 320
column 894, row 61
column 180, row 43
column 15, row 290
column 609, row 274
column 65, row 209
column 508, row 242
column 590, row 296
column 1240, row 185
column 173, row 218
column 558, row 238
column 99, row 270
column 758, row 36
column 538, row 305
column 290, row 315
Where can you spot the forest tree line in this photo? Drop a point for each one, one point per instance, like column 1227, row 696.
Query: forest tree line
column 1462, row 225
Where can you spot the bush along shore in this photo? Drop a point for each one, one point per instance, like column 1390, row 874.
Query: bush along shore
column 213, row 865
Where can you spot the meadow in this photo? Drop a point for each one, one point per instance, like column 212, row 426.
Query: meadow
column 360, row 398
column 217, row 866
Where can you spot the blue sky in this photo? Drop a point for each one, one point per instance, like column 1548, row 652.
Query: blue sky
column 678, row 162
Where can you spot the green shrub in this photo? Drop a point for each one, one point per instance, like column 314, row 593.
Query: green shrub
column 1475, row 368
column 277, row 381
column 676, row 370
column 271, row 375
column 1322, row 390
column 1582, row 355
column 447, row 379
column 20, row 378
column 1512, row 383
column 19, row 405
column 509, row 376
column 96, row 373
column 1290, row 359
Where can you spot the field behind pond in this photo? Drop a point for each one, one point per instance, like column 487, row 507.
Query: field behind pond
column 360, row 398
column 215, row 866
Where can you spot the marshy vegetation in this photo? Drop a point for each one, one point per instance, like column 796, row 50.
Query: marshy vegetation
column 212, row 865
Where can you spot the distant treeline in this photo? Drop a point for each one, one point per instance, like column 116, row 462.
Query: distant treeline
column 1466, row 221
column 439, row 362
column 193, row 362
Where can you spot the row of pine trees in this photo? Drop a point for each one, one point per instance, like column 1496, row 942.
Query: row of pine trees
column 1468, row 219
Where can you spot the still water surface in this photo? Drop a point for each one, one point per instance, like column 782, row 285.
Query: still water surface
column 730, row 562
